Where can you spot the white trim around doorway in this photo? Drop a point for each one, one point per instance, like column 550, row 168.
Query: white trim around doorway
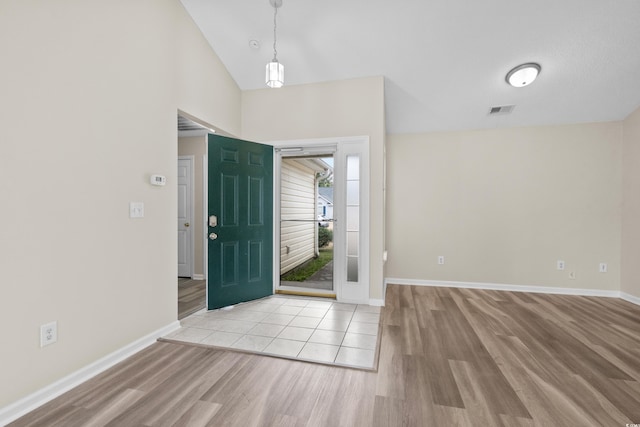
column 347, row 291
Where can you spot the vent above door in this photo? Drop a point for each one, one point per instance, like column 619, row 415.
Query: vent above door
column 185, row 124
column 187, row 128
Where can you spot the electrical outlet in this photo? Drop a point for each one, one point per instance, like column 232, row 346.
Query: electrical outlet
column 440, row 260
column 572, row 275
column 603, row 267
column 560, row 265
column 48, row 333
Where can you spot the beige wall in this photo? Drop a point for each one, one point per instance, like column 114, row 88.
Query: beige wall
column 205, row 90
column 334, row 109
column 503, row 206
column 197, row 147
column 90, row 92
column 631, row 205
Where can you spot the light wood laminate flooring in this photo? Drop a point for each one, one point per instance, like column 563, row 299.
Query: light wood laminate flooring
column 448, row 357
column 191, row 296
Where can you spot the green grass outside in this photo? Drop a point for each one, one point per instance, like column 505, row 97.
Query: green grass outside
column 306, row 270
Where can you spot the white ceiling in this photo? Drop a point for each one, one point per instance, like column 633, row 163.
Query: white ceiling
column 444, row 61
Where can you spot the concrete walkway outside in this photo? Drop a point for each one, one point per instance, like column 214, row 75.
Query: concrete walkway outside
column 321, row 279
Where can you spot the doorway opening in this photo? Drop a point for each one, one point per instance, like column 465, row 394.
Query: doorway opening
column 190, row 191
column 348, row 159
column 306, row 223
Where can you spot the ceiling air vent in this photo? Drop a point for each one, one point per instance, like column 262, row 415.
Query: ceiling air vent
column 501, row 110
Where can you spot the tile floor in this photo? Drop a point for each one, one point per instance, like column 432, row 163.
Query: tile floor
column 312, row 329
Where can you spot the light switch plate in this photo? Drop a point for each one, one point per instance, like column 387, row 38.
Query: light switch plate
column 136, row 210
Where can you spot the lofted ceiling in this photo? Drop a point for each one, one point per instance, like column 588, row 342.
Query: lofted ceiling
column 444, row 61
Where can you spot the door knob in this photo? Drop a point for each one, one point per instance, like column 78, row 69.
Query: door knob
column 186, row 224
column 213, row 236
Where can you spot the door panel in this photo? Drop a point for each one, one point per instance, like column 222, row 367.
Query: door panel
column 241, row 196
column 229, row 200
column 256, row 201
column 256, row 255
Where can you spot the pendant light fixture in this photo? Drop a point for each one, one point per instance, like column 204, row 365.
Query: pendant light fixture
column 275, row 70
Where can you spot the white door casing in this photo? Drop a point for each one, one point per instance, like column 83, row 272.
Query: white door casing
column 185, row 216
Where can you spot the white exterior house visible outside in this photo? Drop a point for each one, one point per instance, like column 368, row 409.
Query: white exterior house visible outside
column 325, row 202
column 298, row 211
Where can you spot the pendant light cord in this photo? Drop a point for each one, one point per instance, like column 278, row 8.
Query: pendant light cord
column 275, row 51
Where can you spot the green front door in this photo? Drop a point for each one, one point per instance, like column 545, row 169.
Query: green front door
column 240, row 222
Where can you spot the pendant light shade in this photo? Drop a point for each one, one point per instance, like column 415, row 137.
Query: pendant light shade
column 274, row 74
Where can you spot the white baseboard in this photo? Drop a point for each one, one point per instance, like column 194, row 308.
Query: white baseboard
column 376, row 302
column 506, row 287
column 630, row 298
column 198, row 277
column 29, row 403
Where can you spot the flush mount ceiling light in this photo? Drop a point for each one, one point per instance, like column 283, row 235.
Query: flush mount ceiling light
column 523, row 75
column 275, row 70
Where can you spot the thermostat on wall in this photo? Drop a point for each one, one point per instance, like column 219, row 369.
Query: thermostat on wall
column 158, row 179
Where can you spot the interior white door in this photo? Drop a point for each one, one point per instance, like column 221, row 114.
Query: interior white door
column 185, row 216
